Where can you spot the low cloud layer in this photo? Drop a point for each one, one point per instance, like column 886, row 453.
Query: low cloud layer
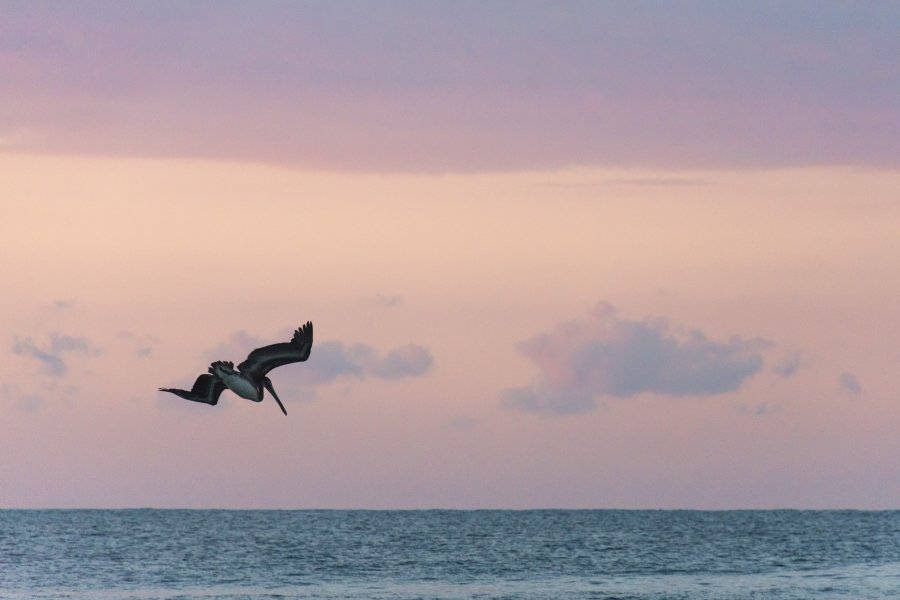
column 51, row 356
column 535, row 86
column 605, row 355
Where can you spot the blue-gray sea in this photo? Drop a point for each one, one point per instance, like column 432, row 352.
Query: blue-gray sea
column 406, row 555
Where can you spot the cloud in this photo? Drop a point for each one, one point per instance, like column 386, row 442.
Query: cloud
column 238, row 345
column 461, row 423
column 789, row 366
column 407, row 361
column 388, row 301
column 759, row 410
column 331, row 360
column 848, row 382
column 658, row 182
column 536, row 85
column 51, row 356
column 143, row 345
column 24, row 401
column 607, row 356
column 39, row 395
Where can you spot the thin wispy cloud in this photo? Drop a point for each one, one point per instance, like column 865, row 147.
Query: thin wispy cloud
column 333, row 359
column 22, row 400
column 388, row 300
column 142, row 346
column 759, row 410
column 236, row 348
column 411, row 360
column 788, row 367
column 657, row 182
column 604, row 355
column 52, row 356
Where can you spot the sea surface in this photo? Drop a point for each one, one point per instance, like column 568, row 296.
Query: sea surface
column 406, row 555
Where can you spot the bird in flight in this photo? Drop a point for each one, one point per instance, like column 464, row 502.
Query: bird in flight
column 250, row 378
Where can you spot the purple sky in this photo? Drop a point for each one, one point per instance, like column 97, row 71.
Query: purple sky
column 450, row 86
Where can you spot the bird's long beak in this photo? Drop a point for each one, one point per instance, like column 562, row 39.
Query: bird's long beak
column 269, row 387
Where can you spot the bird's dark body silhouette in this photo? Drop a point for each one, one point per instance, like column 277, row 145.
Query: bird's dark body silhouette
column 249, row 380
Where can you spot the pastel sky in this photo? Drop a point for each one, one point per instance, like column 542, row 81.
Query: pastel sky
column 575, row 254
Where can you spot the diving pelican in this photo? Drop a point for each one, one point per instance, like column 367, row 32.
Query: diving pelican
column 250, row 378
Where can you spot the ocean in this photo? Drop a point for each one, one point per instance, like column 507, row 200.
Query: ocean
column 407, row 555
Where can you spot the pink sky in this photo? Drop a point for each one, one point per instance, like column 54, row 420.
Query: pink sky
column 564, row 256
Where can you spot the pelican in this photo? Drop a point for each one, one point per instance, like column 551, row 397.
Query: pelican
column 250, row 378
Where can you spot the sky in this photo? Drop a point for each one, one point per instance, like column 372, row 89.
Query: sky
column 557, row 255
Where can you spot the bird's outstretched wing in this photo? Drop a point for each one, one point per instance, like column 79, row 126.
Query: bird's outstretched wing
column 206, row 389
column 262, row 360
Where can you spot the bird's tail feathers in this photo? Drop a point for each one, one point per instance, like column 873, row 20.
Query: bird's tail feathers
column 222, row 364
